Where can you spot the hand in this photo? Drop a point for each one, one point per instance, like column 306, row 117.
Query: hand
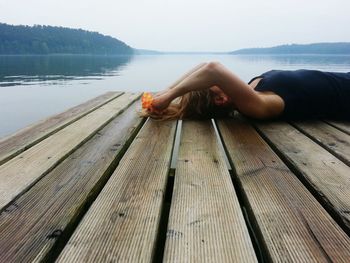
column 160, row 101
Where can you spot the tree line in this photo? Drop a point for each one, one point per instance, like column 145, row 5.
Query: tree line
column 316, row 48
column 40, row 39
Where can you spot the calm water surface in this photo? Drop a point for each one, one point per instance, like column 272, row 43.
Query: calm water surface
column 35, row 87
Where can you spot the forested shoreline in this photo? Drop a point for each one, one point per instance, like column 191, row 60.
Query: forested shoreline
column 315, row 48
column 47, row 40
column 38, row 39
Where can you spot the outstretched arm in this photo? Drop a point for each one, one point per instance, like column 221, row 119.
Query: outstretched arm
column 186, row 75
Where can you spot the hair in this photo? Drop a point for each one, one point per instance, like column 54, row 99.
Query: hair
column 192, row 105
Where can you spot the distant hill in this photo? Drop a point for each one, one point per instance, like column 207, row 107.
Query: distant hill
column 316, row 48
column 57, row 40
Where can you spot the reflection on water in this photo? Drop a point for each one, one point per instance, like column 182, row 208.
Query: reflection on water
column 27, row 70
column 34, row 87
column 35, row 70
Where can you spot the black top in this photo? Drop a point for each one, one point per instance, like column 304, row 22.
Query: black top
column 309, row 93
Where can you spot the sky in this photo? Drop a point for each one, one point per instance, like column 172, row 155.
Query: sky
column 192, row 25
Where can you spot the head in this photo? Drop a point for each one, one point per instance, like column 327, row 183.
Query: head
column 204, row 104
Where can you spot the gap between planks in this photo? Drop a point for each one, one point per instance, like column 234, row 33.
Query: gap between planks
column 43, row 218
column 343, row 126
column 332, row 139
column 205, row 220
column 123, row 222
column 291, row 222
column 322, row 173
column 21, row 172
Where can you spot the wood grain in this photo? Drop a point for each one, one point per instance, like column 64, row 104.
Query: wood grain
column 293, row 225
column 205, row 223
column 343, row 126
column 25, row 138
column 122, row 224
column 325, row 173
column 24, row 170
column 37, row 220
column 334, row 140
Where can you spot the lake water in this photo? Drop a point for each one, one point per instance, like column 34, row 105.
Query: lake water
column 35, row 87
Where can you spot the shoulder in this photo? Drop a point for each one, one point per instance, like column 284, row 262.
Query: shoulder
column 270, row 106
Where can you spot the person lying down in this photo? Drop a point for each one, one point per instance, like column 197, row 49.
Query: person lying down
column 210, row 90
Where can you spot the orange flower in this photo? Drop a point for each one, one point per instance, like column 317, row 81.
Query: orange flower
column 147, row 100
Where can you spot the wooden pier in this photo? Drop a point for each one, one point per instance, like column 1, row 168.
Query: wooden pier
column 98, row 183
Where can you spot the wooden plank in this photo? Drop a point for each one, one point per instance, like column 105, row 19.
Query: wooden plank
column 334, row 140
column 24, row 170
column 325, row 173
column 293, row 226
column 29, row 136
column 206, row 223
column 35, row 223
column 122, row 223
column 343, row 126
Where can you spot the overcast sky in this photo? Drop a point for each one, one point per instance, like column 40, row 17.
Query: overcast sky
column 192, row 25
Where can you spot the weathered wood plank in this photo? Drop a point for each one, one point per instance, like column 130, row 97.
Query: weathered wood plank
column 205, row 223
column 334, row 140
column 343, row 126
column 24, row 170
column 35, row 222
column 122, row 223
column 327, row 175
column 293, row 225
column 25, row 138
